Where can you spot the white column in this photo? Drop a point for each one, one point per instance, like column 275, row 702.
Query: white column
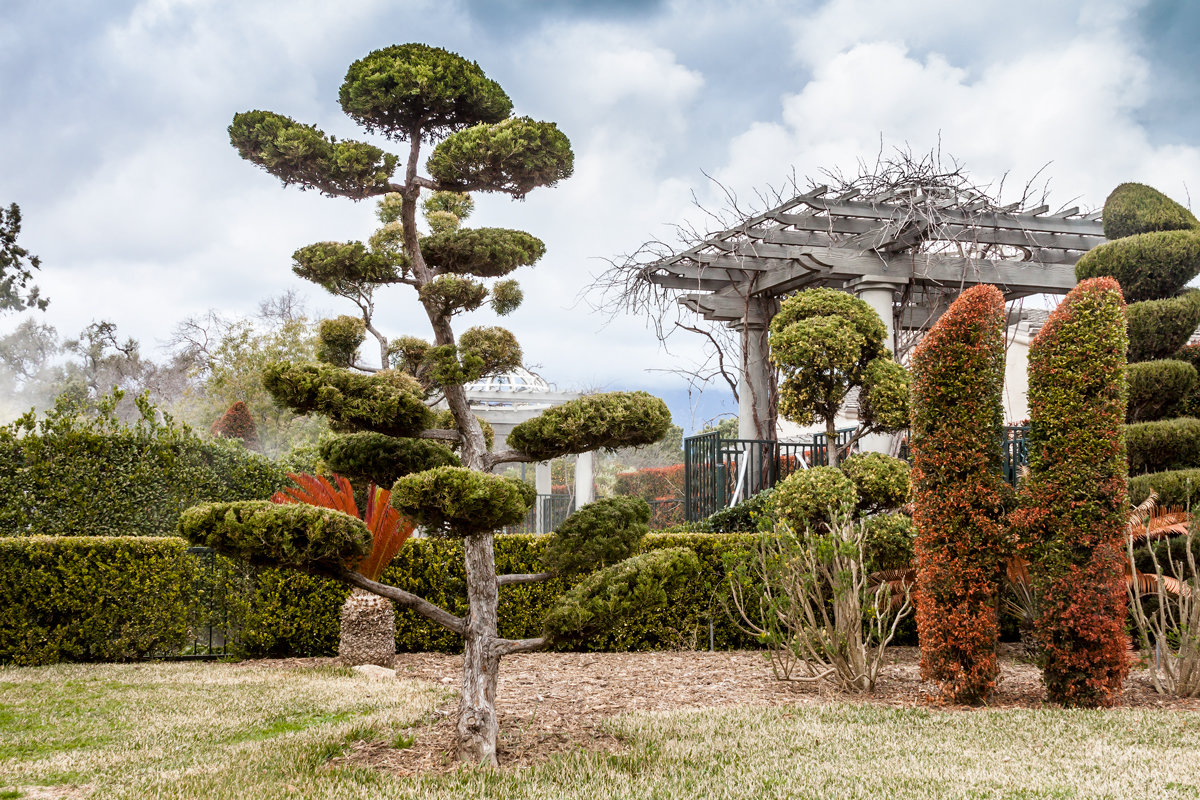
column 541, row 482
column 585, row 483
column 879, row 292
column 755, row 420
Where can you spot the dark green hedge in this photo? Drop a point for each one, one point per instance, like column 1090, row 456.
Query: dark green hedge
column 1158, row 328
column 91, row 598
column 1163, row 445
column 1158, row 388
column 75, row 475
column 1175, row 488
column 296, row 614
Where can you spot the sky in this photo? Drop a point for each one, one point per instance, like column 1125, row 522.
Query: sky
column 113, row 136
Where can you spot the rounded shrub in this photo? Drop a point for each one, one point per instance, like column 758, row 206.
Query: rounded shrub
column 810, row 498
column 482, row 252
column 959, row 493
column 598, row 534
column 263, row 533
column 1148, row 266
column 1177, row 488
column 456, row 501
column 606, row 421
column 1165, row 444
column 513, row 156
column 889, row 541
column 882, row 482
column 1157, row 388
column 1074, row 503
column 338, row 340
column 1134, row 208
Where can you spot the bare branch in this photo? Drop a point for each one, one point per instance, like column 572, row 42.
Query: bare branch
column 407, row 599
column 507, row 647
column 441, row 434
column 537, row 577
column 505, row 457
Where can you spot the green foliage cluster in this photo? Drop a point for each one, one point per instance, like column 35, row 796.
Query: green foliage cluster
column 481, row 351
column 455, row 501
column 1157, row 389
column 16, row 266
column 296, row 614
column 808, row 498
column 91, row 598
column 452, row 294
column 263, row 533
column 507, row 297
column 959, row 493
column 601, row 421
column 1164, row 444
column 1158, row 328
column 1134, row 208
column 598, row 535
column 75, row 474
column 1148, row 266
column 741, row 518
column 482, row 252
column 825, row 343
column 882, row 482
column 304, row 155
column 513, row 156
column 1074, row 503
column 389, row 402
column 611, row 595
column 335, row 265
column 375, row 458
column 396, row 90
column 889, row 542
column 1177, row 488
column 338, row 340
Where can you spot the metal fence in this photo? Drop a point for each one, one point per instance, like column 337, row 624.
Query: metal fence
column 554, row 509
column 721, row 472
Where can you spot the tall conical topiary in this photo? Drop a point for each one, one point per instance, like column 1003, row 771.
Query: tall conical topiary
column 1073, row 505
column 419, row 95
column 959, row 493
column 1154, row 254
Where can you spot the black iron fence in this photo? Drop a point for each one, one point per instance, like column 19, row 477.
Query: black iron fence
column 719, row 473
column 554, row 509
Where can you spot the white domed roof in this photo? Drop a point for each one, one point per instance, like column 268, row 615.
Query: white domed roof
column 517, row 381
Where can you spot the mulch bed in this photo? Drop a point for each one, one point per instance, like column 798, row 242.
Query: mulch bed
column 557, row 702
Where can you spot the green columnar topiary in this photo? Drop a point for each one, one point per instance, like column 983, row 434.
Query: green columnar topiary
column 1158, row 328
column 826, row 343
column 1164, row 444
column 959, row 493
column 1152, row 265
column 1074, row 505
column 1134, row 208
column 1158, row 388
column 418, row 94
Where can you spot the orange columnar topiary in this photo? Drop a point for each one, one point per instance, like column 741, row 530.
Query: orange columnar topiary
column 1073, row 511
column 959, row 493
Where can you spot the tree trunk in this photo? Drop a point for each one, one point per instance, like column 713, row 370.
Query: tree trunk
column 831, row 451
column 477, row 723
column 368, row 631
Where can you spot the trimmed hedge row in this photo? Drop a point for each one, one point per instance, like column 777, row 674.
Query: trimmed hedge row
column 1175, row 488
column 92, row 598
column 1165, row 444
column 296, row 614
column 70, row 475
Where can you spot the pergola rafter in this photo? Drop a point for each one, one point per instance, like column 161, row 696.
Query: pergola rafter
column 908, row 253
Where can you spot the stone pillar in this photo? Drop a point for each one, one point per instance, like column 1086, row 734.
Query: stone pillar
column 585, row 482
column 541, row 482
column 756, row 383
column 879, row 292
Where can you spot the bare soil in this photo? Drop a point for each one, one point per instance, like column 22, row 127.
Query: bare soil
column 556, row 702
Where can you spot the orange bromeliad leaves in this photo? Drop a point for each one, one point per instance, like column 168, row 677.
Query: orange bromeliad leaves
column 389, row 528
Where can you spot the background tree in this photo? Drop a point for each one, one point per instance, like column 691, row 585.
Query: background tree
column 1074, row 507
column 827, row 343
column 236, row 423
column 416, row 94
column 17, row 266
column 959, row 497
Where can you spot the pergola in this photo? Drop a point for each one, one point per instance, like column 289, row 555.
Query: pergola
column 906, row 254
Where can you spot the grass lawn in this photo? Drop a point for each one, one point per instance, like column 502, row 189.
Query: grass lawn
column 216, row 731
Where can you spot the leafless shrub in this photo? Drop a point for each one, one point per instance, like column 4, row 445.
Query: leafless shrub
column 1165, row 608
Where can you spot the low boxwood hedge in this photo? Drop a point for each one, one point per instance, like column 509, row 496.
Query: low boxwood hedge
column 92, row 598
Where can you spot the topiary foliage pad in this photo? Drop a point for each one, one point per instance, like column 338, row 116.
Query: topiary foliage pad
column 600, row 421
column 456, row 501
column 1134, row 208
column 389, row 402
column 382, row 459
column 269, row 534
column 599, row 534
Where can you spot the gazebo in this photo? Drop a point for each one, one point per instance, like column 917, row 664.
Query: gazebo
column 906, row 253
column 511, row 398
